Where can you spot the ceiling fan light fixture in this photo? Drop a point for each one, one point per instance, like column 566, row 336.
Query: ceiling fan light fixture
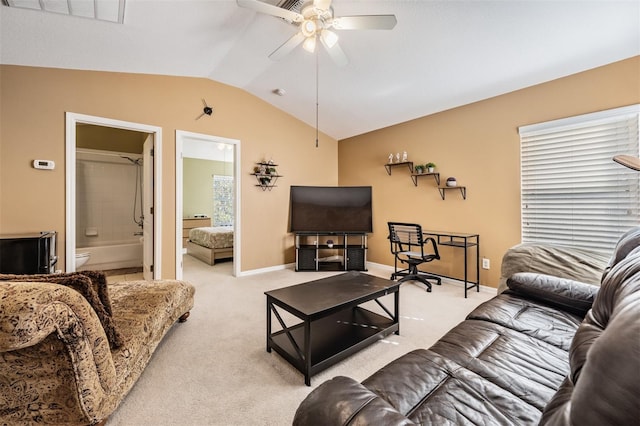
column 329, row 38
column 309, row 28
column 313, row 20
column 309, row 44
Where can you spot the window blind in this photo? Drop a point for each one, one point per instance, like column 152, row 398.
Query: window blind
column 572, row 192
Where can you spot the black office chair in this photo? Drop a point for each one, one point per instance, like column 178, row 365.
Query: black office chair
column 408, row 246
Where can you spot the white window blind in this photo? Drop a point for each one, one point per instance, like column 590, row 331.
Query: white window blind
column 572, row 192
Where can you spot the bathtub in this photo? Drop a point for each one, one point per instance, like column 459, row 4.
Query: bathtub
column 112, row 256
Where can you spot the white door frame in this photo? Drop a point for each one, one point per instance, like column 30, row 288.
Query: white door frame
column 181, row 137
column 72, row 119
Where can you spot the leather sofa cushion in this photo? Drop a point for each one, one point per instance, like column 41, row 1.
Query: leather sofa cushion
column 567, row 295
column 349, row 403
column 525, row 367
column 431, row 389
column 482, row 368
column 529, row 317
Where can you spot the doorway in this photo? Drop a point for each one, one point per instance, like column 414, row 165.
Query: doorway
column 146, row 218
column 211, row 153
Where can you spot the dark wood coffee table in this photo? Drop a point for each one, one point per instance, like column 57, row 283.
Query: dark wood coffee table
column 333, row 325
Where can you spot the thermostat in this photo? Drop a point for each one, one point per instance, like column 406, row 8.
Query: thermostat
column 44, row 164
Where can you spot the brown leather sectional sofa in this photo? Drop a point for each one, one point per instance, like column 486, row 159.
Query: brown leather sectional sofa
column 547, row 351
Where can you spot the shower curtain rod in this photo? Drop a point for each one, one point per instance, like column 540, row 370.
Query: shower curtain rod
column 108, row 153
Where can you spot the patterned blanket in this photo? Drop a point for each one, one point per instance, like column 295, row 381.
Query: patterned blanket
column 212, row 237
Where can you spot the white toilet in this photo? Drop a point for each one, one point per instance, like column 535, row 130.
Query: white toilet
column 81, row 259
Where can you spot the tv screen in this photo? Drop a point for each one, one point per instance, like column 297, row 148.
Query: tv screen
column 330, row 209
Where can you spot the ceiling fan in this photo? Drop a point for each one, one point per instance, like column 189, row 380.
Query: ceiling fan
column 317, row 21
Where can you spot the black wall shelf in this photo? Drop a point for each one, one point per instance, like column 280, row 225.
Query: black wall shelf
column 463, row 190
column 266, row 175
column 436, row 176
column 409, row 164
column 415, row 176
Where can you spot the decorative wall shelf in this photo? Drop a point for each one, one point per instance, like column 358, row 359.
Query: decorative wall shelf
column 443, row 190
column 436, row 176
column 409, row 164
column 266, row 175
column 414, row 177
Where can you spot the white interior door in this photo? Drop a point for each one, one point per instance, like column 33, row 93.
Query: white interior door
column 147, row 204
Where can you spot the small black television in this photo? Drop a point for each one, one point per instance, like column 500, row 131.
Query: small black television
column 329, row 209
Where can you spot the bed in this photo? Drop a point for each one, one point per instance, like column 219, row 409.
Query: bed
column 209, row 244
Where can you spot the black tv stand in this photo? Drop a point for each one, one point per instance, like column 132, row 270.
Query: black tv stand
column 314, row 252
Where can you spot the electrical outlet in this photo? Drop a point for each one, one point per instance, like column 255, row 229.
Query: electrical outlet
column 486, row 264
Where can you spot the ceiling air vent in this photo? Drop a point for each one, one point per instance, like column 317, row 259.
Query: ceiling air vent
column 104, row 10
column 292, row 5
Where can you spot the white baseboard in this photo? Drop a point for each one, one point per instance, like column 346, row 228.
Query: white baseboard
column 269, row 269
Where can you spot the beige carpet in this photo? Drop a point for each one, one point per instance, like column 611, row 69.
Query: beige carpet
column 214, row 369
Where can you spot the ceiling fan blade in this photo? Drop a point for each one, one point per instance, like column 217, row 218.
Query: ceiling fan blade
column 365, row 22
column 336, row 53
column 287, row 46
column 269, row 9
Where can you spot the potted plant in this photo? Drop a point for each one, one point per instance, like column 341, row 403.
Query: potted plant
column 265, row 180
column 430, row 167
column 419, row 169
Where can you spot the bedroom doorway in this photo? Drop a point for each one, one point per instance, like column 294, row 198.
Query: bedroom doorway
column 207, row 196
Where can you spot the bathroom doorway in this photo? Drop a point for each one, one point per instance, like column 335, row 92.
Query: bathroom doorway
column 208, row 198
column 112, row 224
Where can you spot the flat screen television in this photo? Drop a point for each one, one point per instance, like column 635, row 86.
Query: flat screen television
column 328, row 209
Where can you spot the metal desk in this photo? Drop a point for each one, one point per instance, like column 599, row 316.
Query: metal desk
column 464, row 241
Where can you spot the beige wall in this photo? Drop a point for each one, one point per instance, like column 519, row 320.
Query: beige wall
column 198, row 184
column 32, row 125
column 109, row 138
column 479, row 145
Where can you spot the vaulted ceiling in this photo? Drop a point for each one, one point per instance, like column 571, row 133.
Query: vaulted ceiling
column 440, row 55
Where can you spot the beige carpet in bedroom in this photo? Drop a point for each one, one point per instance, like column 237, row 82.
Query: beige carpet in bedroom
column 214, row 369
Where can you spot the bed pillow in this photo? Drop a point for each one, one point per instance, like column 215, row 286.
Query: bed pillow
column 90, row 284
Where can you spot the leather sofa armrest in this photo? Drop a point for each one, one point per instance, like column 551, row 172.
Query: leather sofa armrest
column 565, row 262
column 343, row 401
column 569, row 295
